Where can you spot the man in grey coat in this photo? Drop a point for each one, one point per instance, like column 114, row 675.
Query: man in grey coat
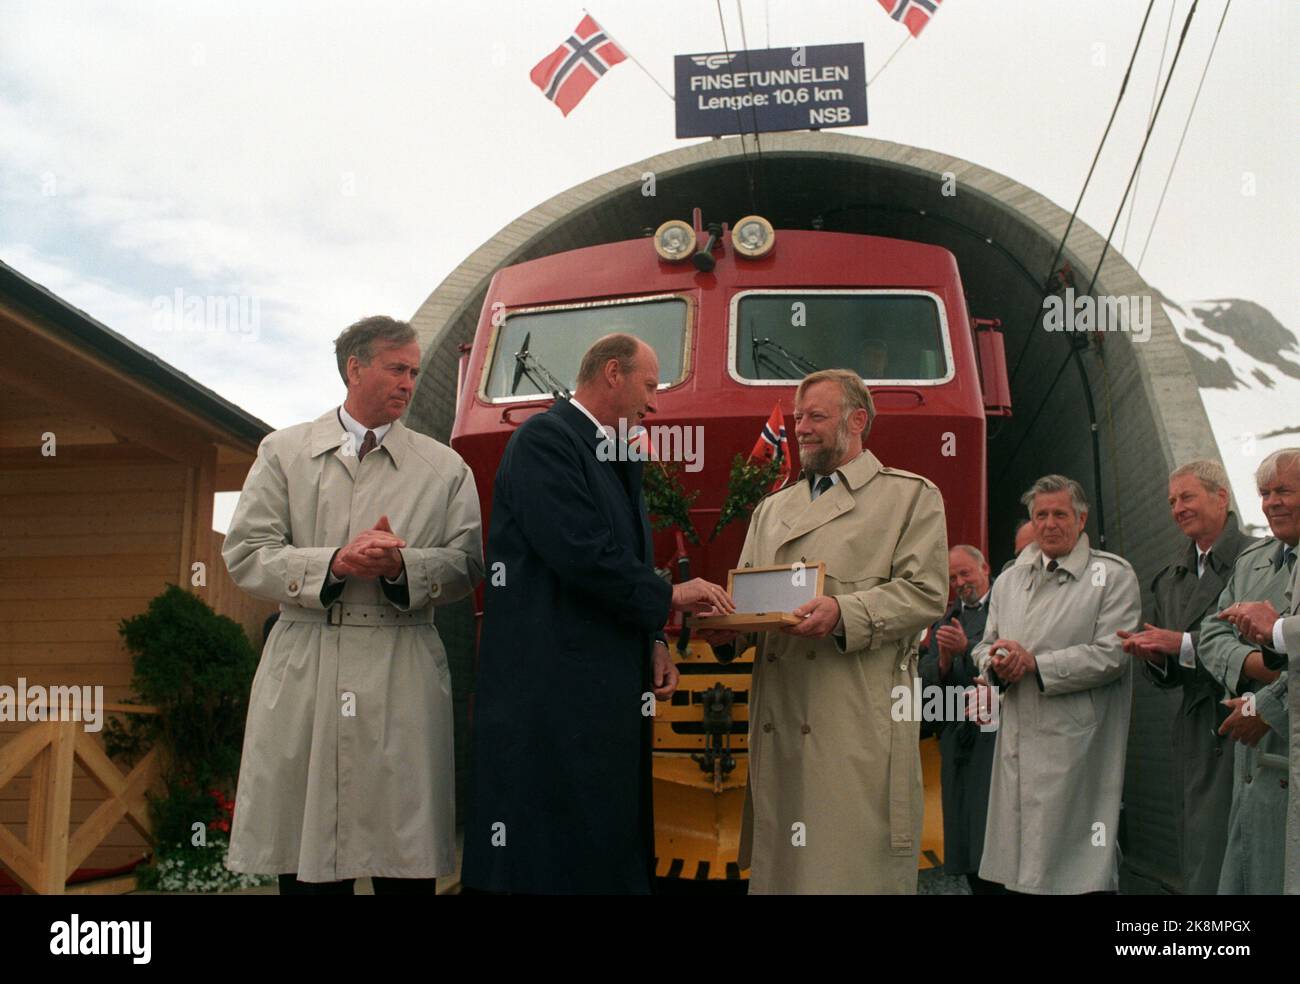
column 1278, row 636
column 1278, row 641
column 1184, row 593
column 1052, row 640
column 358, row 527
column 1259, row 720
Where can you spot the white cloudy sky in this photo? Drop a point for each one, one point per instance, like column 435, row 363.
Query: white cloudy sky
column 338, row 159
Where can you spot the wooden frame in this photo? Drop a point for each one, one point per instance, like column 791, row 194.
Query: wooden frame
column 754, row 621
column 53, row 852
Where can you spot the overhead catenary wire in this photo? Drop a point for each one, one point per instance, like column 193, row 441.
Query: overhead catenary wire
column 1096, row 271
column 753, row 110
column 1186, row 124
column 740, row 123
column 1155, row 88
column 1182, row 39
column 1060, row 249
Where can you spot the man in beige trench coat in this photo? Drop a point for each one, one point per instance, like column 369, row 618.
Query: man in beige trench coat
column 1052, row 640
column 358, row 527
column 834, row 802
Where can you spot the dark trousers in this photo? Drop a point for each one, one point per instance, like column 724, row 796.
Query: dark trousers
column 978, row 886
column 290, row 885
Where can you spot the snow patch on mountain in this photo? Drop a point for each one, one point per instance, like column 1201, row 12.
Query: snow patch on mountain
column 1247, row 367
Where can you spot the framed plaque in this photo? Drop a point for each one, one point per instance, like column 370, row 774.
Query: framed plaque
column 765, row 597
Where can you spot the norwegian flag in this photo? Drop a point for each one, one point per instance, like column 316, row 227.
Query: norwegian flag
column 771, row 444
column 565, row 75
column 913, row 13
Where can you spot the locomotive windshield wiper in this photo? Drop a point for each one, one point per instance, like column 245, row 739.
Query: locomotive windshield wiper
column 526, row 364
column 801, row 365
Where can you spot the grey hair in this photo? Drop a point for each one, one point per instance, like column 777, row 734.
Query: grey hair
column 1211, row 474
column 359, row 338
column 1056, row 483
column 972, row 551
column 1266, row 473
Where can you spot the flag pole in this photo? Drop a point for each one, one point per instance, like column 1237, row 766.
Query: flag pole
column 629, row 54
column 887, row 60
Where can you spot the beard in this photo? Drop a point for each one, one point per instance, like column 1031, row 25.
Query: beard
column 822, row 459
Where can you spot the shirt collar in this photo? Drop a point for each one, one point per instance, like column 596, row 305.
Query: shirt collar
column 600, row 429
column 357, row 430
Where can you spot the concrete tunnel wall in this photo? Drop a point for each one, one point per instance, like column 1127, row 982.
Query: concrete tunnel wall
column 1147, row 407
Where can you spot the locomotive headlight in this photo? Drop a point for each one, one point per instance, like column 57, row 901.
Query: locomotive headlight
column 753, row 236
column 675, row 241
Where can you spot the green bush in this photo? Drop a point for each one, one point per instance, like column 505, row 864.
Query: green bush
column 196, row 667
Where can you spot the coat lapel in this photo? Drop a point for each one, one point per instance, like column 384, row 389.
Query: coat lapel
column 622, row 475
column 835, row 501
column 1218, row 569
column 327, row 435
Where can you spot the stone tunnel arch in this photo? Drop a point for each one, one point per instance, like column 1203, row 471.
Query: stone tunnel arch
column 1137, row 402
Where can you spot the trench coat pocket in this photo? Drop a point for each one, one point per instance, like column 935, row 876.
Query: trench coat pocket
column 1073, row 712
column 439, row 653
column 276, row 652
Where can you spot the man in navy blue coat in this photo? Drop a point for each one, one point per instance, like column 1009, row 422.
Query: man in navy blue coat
column 572, row 647
column 966, row 750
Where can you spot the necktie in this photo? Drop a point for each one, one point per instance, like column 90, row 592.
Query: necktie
column 367, row 445
column 1052, row 565
column 1288, row 558
column 823, row 483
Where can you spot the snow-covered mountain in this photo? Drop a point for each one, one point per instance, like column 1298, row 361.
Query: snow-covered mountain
column 1247, row 366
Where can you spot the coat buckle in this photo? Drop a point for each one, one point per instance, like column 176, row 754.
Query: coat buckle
column 335, row 614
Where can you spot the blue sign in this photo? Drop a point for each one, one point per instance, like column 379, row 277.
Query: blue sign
column 808, row 88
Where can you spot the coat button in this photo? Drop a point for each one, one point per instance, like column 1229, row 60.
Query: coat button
column 1248, row 777
column 806, row 730
column 1282, row 783
column 293, row 586
column 771, row 657
column 767, row 727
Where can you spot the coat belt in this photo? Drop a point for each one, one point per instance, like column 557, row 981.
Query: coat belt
column 348, row 613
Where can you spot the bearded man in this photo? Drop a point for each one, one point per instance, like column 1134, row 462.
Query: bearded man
column 834, row 801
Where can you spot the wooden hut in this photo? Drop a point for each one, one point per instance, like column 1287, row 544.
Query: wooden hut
column 110, row 460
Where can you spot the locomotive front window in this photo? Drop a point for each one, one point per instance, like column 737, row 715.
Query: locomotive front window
column 557, row 338
column 883, row 336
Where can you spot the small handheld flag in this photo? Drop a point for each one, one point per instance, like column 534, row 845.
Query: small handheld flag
column 772, row 444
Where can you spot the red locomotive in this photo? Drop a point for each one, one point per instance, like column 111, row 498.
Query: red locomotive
column 738, row 316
